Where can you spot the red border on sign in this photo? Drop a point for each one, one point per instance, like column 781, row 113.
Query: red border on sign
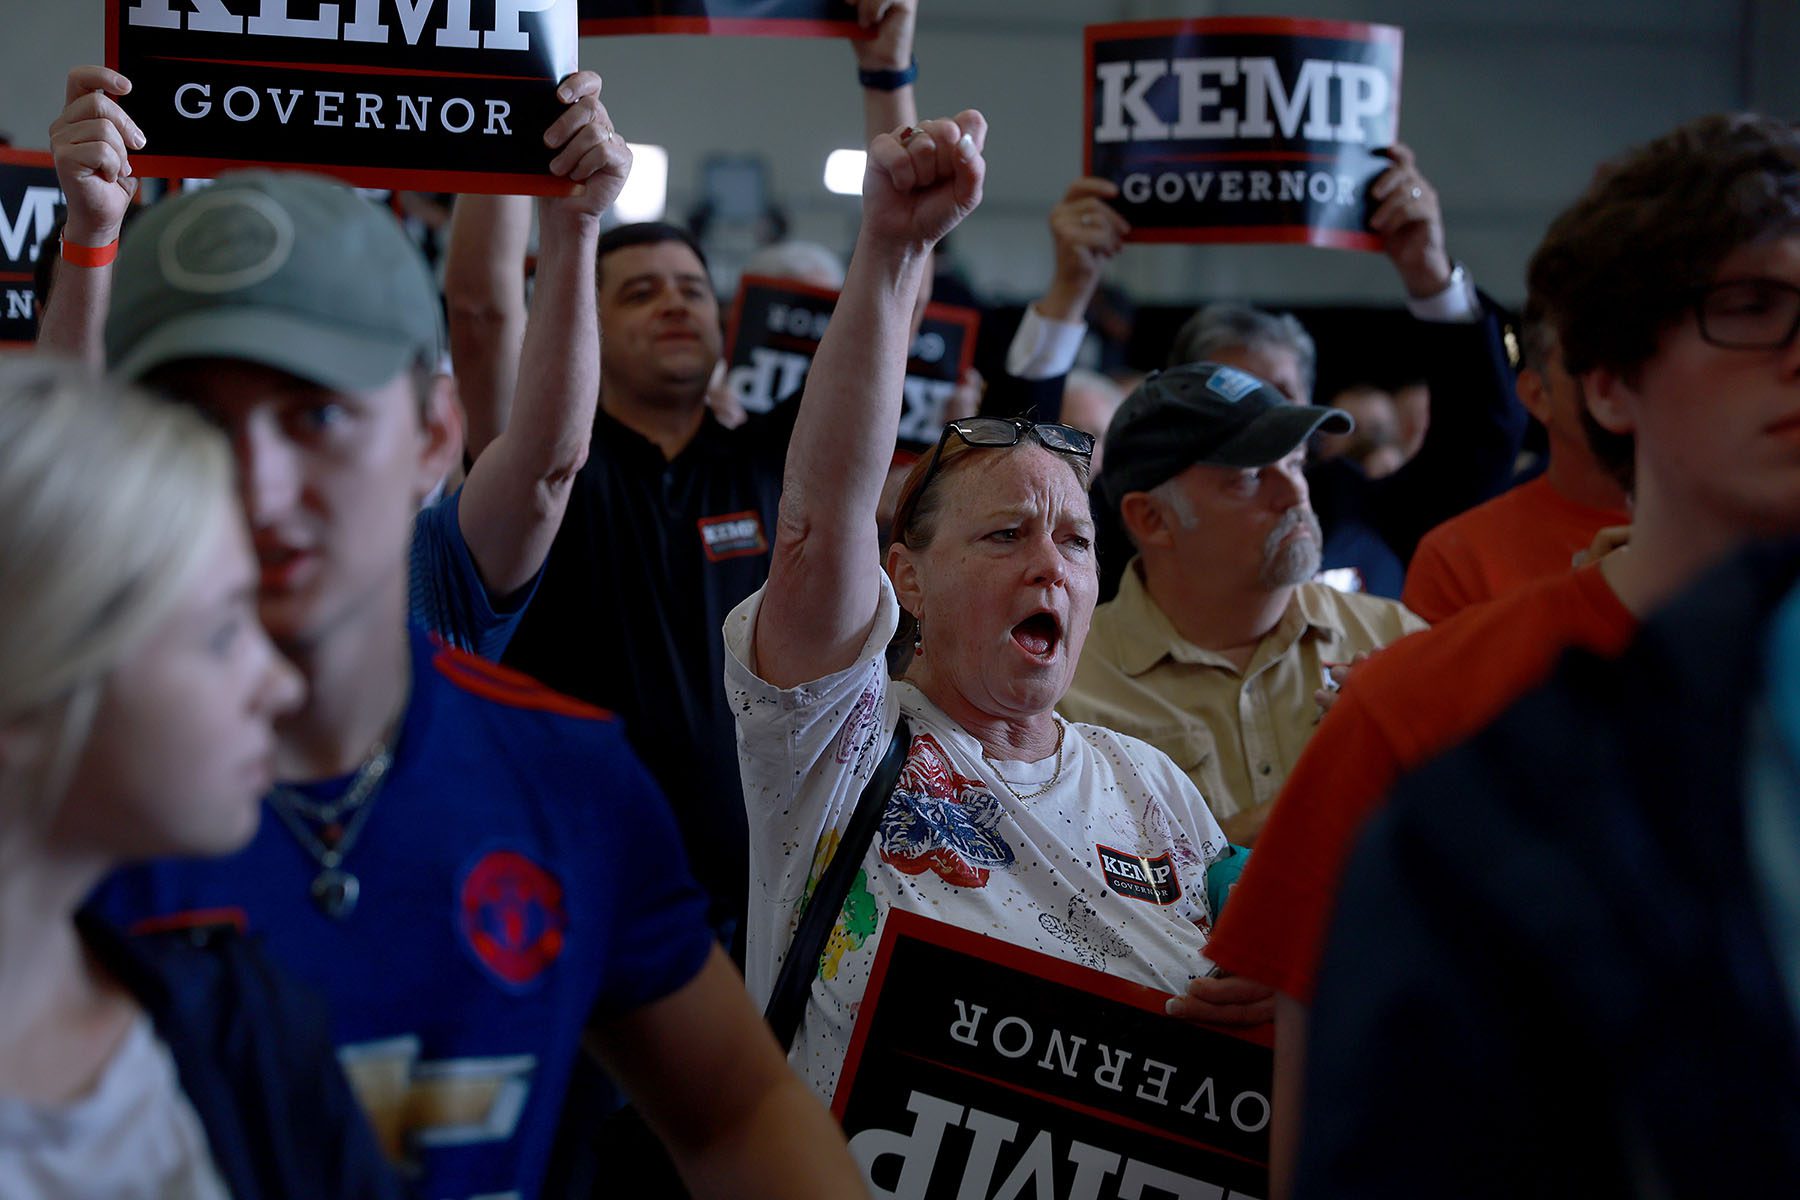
column 159, row 166
column 955, row 314
column 723, row 26
column 26, row 158
column 349, row 69
column 969, row 319
column 901, row 924
column 1300, row 235
column 1345, row 31
column 773, row 284
column 1087, row 98
column 1250, row 156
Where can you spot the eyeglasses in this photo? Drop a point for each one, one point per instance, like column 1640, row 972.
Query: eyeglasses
column 1749, row 314
column 1008, row 431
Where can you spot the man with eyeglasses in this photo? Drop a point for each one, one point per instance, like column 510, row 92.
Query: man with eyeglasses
column 1218, row 642
column 1674, row 285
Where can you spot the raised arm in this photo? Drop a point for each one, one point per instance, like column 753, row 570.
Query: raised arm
column 711, row 1081
column 90, row 140
column 821, row 594
column 1086, row 233
column 514, row 499
column 484, row 296
column 886, row 55
column 1477, row 422
column 1410, row 221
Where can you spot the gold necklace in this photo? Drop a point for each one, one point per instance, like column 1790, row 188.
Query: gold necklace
column 1055, row 776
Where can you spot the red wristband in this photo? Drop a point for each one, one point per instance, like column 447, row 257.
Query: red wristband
column 89, row 256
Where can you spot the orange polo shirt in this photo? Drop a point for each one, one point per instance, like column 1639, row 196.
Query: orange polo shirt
column 1525, row 534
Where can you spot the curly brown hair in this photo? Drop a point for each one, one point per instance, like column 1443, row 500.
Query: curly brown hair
column 1627, row 260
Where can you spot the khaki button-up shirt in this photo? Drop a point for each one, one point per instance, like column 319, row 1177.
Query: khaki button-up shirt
column 1236, row 734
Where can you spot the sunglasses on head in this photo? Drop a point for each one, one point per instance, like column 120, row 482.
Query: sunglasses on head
column 1009, row 431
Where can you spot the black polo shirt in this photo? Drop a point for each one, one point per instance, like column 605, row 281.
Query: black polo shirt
column 652, row 555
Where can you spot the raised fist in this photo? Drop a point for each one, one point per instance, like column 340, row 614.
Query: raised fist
column 922, row 181
column 90, row 141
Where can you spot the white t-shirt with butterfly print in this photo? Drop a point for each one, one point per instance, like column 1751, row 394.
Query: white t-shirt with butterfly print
column 1107, row 868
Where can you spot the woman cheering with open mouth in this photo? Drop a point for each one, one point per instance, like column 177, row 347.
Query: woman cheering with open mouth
column 1001, row 808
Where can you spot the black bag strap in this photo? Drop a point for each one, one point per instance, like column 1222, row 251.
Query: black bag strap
column 788, row 1001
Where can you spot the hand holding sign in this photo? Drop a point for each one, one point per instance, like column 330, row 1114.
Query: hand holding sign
column 923, row 180
column 427, row 96
column 592, row 154
column 1224, row 1000
column 1411, row 224
column 91, row 140
column 1087, row 233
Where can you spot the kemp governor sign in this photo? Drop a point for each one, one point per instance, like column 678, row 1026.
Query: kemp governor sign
column 1243, row 129
column 30, row 202
column 436, row 95
column 979, row 1069
column 774, row 332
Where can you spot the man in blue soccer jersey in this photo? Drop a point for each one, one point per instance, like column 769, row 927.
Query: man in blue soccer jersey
column 469, row 867
column 327, row 318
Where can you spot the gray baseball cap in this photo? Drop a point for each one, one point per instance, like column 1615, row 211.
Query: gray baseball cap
column 1208, row 414
column 289, row 270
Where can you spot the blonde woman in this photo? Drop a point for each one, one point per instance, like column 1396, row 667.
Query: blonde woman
column 137, row 695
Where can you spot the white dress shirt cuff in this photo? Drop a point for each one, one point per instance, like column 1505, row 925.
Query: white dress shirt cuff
column 1457, row 303
column 1044, row 348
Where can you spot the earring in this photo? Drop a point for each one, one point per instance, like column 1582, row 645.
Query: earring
column 918, row 638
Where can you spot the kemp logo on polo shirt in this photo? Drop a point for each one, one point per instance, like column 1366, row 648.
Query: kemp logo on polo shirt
column 734, row 535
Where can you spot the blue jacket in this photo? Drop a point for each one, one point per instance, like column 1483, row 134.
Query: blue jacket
column 1549, row 973
column 254, row 1056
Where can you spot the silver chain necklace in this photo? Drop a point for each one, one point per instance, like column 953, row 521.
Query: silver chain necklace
column 1055, row 776
column 334, row 890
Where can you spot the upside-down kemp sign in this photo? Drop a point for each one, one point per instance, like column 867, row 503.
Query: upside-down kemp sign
column 774, row 332
column 764, row 18
column 1243, row 129
column 30, row 201
column 439, row 95
column 982, row 1069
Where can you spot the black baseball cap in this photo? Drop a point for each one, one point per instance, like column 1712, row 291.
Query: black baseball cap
column 1204, row 413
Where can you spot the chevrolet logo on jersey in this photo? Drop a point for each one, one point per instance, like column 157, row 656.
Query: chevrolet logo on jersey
column 416, row 1105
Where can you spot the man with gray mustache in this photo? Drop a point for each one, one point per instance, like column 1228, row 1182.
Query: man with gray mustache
column 1219, row 649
